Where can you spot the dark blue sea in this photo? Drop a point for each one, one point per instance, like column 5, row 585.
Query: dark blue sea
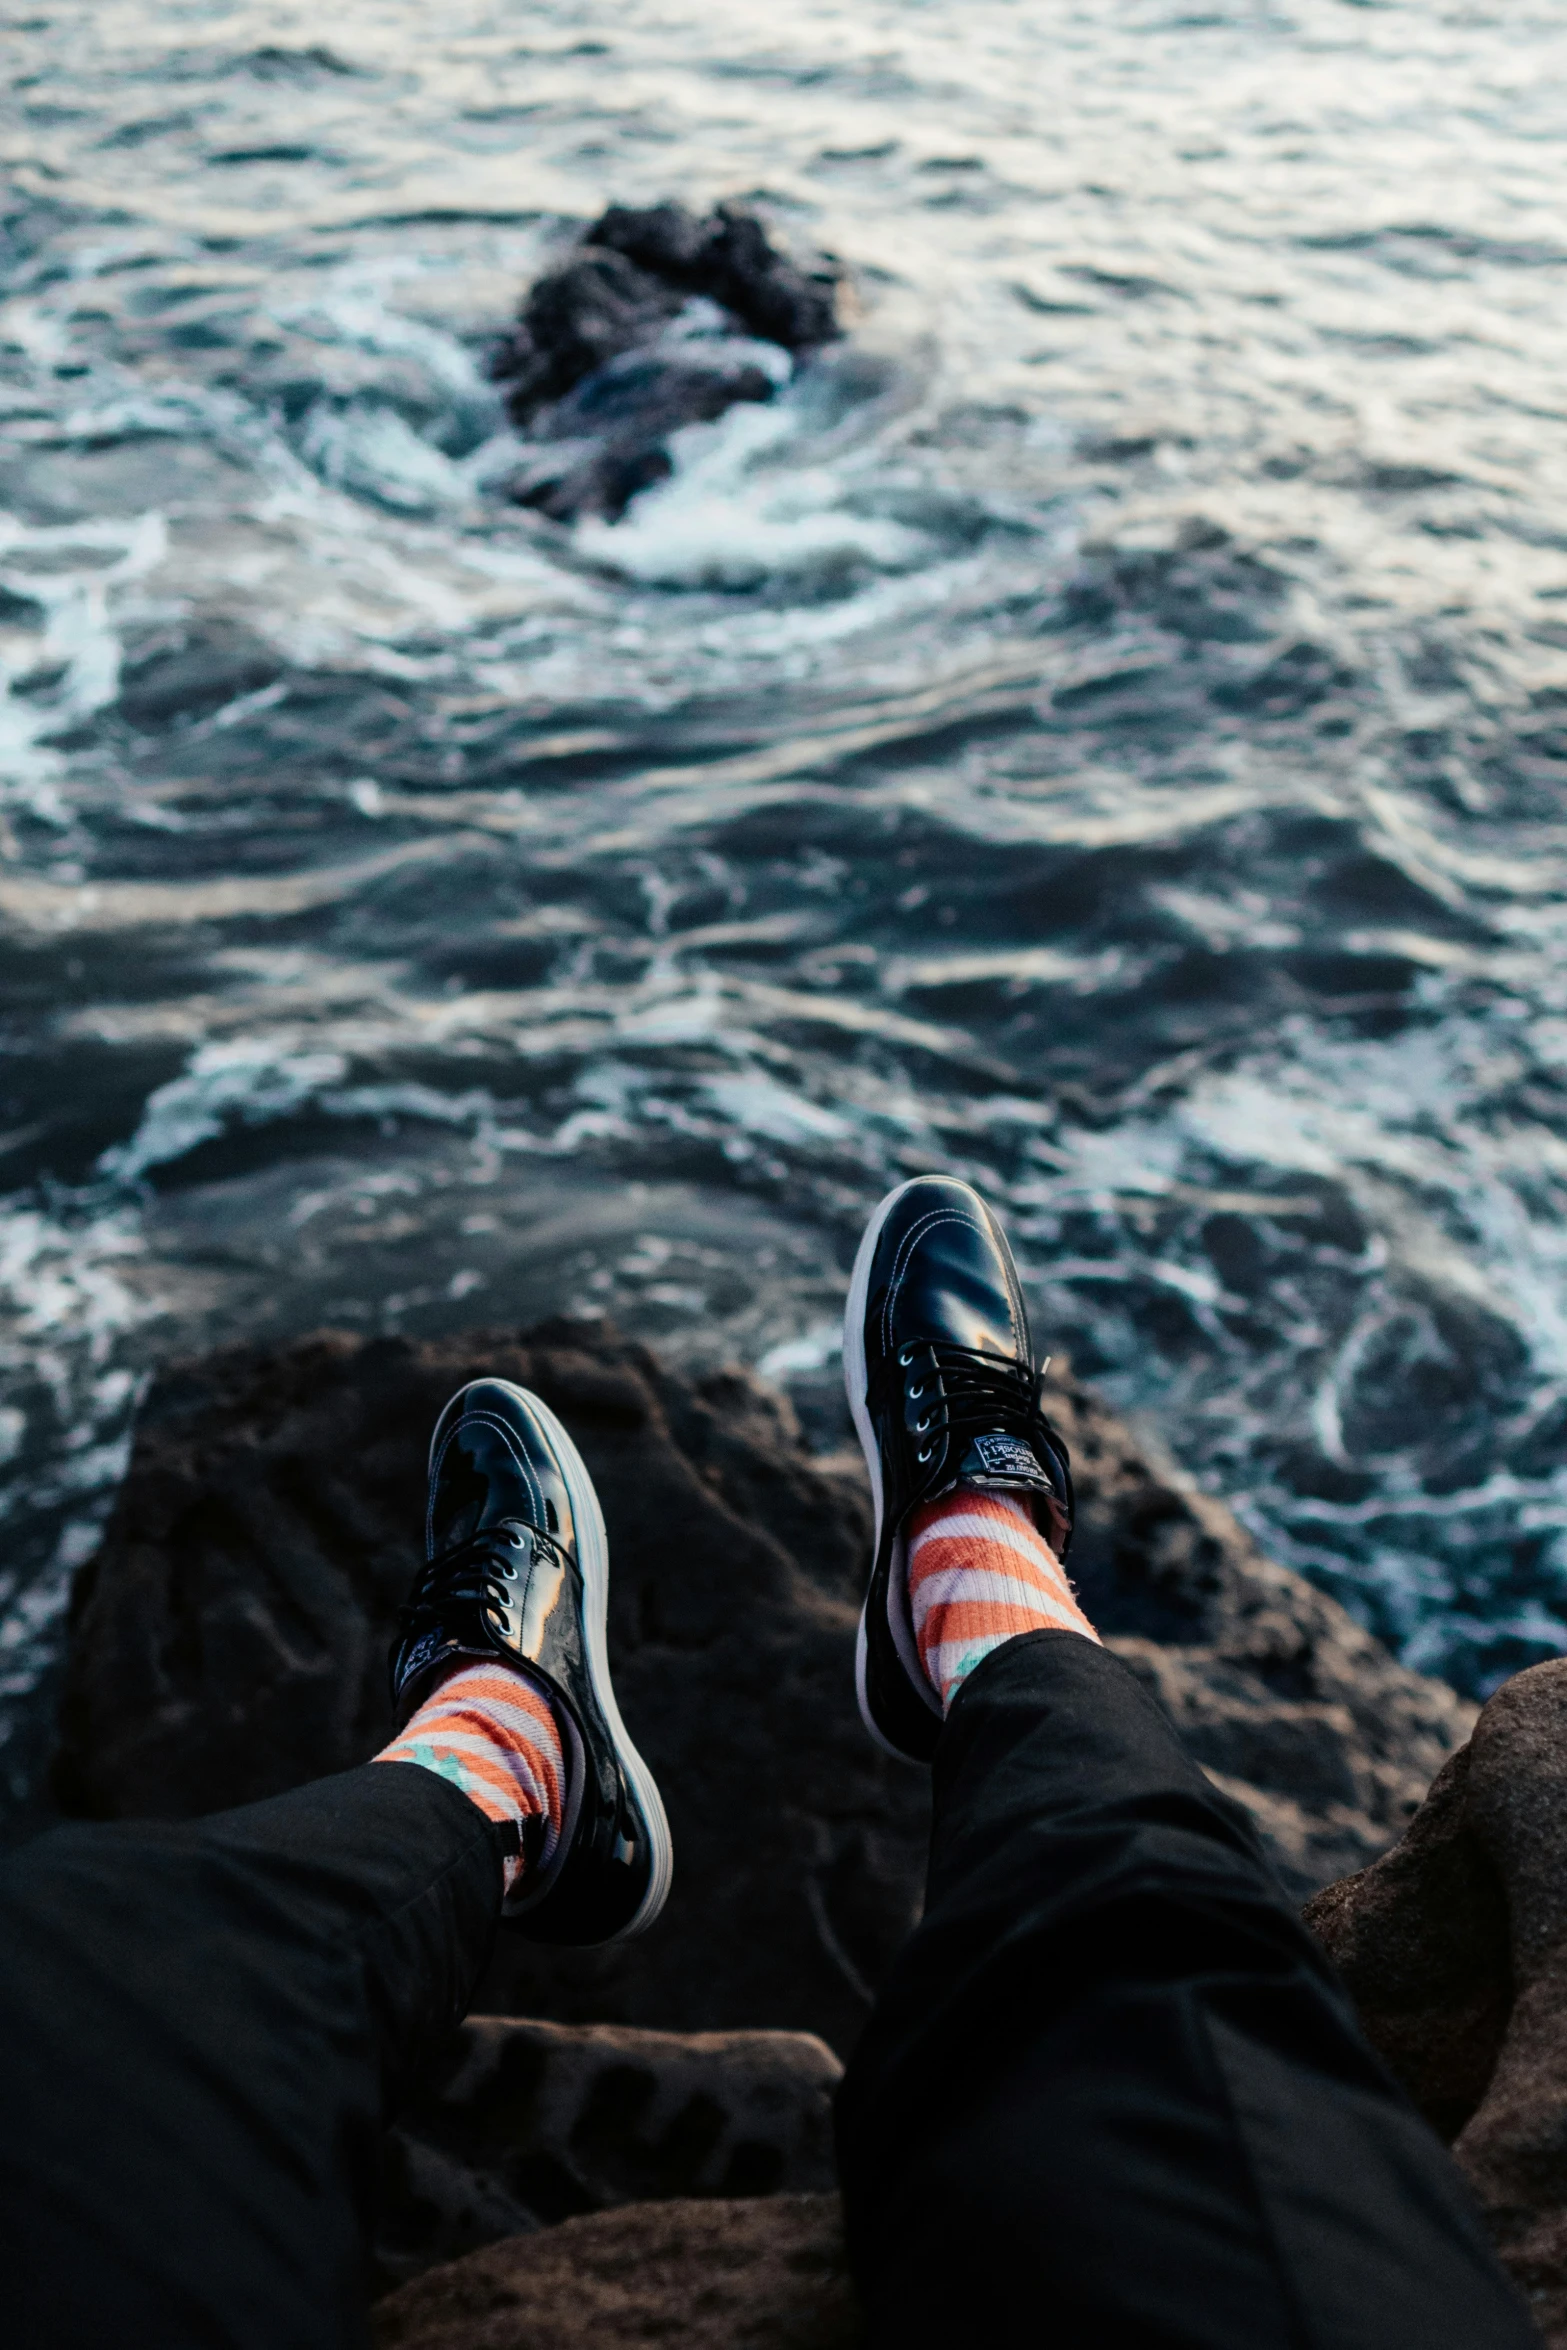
column 1101, row 729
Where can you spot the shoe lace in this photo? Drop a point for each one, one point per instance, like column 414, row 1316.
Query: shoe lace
column 964, row 1394
column 478, row 1571
column 969, row 1394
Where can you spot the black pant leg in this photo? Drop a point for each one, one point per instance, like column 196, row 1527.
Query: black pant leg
column 201, row 2026
column 1112, row 2093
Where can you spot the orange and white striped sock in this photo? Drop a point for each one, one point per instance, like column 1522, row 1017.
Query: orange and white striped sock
column 494, row 1735
column 979, row 1573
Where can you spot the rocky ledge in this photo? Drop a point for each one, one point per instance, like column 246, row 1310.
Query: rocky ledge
column 228, row 1641
column 744, row 2275
column 525, row 2124
column 1454, row 1946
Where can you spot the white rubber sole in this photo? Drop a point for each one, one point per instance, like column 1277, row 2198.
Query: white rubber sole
column 854, row 1388
column 593, row 1558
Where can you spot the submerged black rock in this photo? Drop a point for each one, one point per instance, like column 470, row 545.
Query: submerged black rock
column 728, row 258
column 598, row 368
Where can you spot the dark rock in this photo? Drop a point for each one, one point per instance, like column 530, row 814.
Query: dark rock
column 228, row 1641
column 527, row 2124
column 755, row 2275
column 1421, row 1940
column 1454, row 1947
column 617, row 425
column 728, row 258
column 604, row 482
column 592, row 358
column 598, row 306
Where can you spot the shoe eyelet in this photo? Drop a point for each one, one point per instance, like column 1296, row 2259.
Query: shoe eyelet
column 916, row 1392
column 905, row 1358
column 920, row 1426
column 923, row 1457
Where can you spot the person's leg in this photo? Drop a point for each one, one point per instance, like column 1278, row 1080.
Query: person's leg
column 202, row 2026
column 1112, row 2093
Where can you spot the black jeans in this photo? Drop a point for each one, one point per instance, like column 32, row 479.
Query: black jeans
column 1110, row 2096
column 202, row 2027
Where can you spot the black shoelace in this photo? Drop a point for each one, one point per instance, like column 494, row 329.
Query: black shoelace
column 967, row 1394
column 962, row 1394
column 480, row 1572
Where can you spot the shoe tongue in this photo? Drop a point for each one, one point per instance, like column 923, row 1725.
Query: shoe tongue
column 997, row 1460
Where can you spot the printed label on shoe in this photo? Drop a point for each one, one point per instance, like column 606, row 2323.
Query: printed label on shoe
column 427, row 1646
column 1007, row 1456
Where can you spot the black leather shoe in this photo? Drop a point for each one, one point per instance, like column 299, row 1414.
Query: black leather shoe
column 941, row 1382
column 518, row 1574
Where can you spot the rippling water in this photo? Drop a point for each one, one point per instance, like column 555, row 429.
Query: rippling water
column 1101, row 729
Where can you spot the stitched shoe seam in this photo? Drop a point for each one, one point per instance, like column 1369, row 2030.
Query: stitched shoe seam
column 481, row 1420
column 900, row 1270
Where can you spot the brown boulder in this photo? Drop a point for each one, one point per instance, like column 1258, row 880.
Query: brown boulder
column 229, row 1640
column 526, row 2124
column 1454, row 1947
column 755, row 2275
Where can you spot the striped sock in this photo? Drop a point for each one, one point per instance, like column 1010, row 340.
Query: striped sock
column 979, row 1573
column 494, row 1735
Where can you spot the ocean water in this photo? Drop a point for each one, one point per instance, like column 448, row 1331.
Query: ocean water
column 1101, row 729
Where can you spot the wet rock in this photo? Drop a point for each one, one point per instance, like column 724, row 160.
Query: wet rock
column 609, row 358
column 751, row 2275
column 633, row 272
column 526, row 2124
column 1454, row 1947
column 728, row 258
column 574, row 321
column 608, row 438
column 229, row 1640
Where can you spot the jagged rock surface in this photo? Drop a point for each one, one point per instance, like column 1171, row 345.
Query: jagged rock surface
column 632, row 272
column 229, row 1641
column 753, row 2275
column 526, row 2124
column 596, row 366
column 1454, row 1946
